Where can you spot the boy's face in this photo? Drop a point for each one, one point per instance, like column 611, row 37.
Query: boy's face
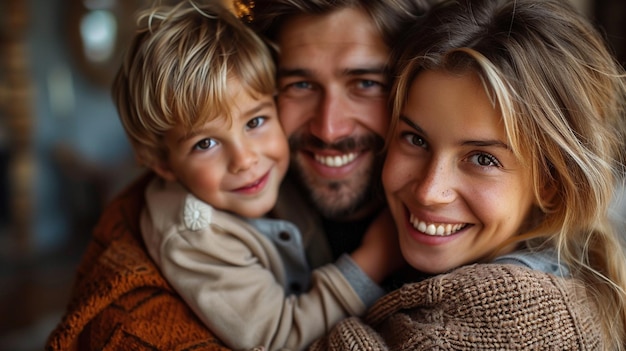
column 236, row 165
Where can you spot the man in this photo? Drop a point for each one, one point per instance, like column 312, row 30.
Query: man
column 332, row 100
column 333, row 86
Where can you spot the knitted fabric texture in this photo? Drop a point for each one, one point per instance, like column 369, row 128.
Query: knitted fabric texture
column 120, row 301
column 477, row 307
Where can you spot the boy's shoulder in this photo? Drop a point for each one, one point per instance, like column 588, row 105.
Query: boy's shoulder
column 120, row 297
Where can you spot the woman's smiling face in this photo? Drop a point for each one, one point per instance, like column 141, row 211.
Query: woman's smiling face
column 454, row 186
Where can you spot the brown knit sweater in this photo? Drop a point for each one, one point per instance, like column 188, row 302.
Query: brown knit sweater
column 477, row 307
column 120, row 301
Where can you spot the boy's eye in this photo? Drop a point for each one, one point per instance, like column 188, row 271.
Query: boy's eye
column 255, row 122
column 205, row 144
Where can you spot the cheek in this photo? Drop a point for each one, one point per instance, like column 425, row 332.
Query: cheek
column 382, row 120
column 375, row 116
column 394, row 174
column 508, row 215
column 293, row 114
column 282, row 151
column 275, row 146
column 205, row 183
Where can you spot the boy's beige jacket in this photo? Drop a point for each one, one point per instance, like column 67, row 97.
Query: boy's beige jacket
column 234, row 277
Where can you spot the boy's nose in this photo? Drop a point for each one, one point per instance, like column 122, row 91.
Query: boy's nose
column 243, row 158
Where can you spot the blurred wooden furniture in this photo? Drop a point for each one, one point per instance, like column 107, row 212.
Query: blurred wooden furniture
column 16, row 119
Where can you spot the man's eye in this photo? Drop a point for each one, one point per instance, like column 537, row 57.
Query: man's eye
column 205, row 144
column 301, row 85
column 367, row 83
column 255, row 122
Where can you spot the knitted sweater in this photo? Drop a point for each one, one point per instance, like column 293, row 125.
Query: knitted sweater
column 120, row 299
column 476, row 307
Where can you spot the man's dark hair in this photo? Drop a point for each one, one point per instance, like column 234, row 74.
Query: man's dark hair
column 389, row 16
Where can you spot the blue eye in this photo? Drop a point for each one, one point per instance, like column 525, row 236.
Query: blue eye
column 367, row 83
column 304, row 85
column 301, row 85
column 205, row 144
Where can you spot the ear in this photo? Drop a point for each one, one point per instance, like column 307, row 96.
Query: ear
column 548, row 192
column 157, row 161
column 163, row 169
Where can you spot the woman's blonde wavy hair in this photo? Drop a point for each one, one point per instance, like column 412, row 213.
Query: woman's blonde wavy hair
column 562, row 97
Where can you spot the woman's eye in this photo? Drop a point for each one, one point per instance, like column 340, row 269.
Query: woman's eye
column 205, row 144
column 414, row 139
column 256, row 122
column 485, row 160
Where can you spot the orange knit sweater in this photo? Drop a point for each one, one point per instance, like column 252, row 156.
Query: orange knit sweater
column 120, row 301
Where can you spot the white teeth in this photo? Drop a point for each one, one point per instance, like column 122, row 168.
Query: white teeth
column 336, row 161
column 434, row 229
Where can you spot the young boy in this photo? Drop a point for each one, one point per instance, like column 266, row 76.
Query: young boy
column 196, row 97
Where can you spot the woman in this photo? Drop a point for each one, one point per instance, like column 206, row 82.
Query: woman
column 506, row 145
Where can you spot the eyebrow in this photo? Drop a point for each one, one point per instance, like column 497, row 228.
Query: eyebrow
column 301, row 72
column 480, row 143
column 196, row 131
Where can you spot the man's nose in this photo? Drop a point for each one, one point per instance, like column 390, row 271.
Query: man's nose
column 333, row 118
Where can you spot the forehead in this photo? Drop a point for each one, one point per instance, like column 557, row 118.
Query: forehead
column 454, row 104
column 240, row 104
column 343, row 37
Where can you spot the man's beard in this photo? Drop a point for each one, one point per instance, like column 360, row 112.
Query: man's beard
column 337, row 199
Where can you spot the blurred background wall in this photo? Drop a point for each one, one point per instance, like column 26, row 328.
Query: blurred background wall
column 63, row 153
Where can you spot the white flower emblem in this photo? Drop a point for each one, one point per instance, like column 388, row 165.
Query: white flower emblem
column 197, row 215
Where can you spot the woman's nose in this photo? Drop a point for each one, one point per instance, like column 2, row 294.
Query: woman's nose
column 436, row 184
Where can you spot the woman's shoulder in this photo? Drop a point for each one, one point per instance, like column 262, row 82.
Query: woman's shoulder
column 496, row 304
column 545, row 260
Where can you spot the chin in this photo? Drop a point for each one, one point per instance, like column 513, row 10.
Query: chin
column 258, row 210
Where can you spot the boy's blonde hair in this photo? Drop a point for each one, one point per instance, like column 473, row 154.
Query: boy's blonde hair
column 562, row 97
column 178, row 68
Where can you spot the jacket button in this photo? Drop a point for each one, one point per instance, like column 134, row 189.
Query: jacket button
column 284, row 236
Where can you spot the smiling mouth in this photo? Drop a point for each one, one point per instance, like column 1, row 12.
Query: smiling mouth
column 256, row 184
column 435, row 229
column 336, row 161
